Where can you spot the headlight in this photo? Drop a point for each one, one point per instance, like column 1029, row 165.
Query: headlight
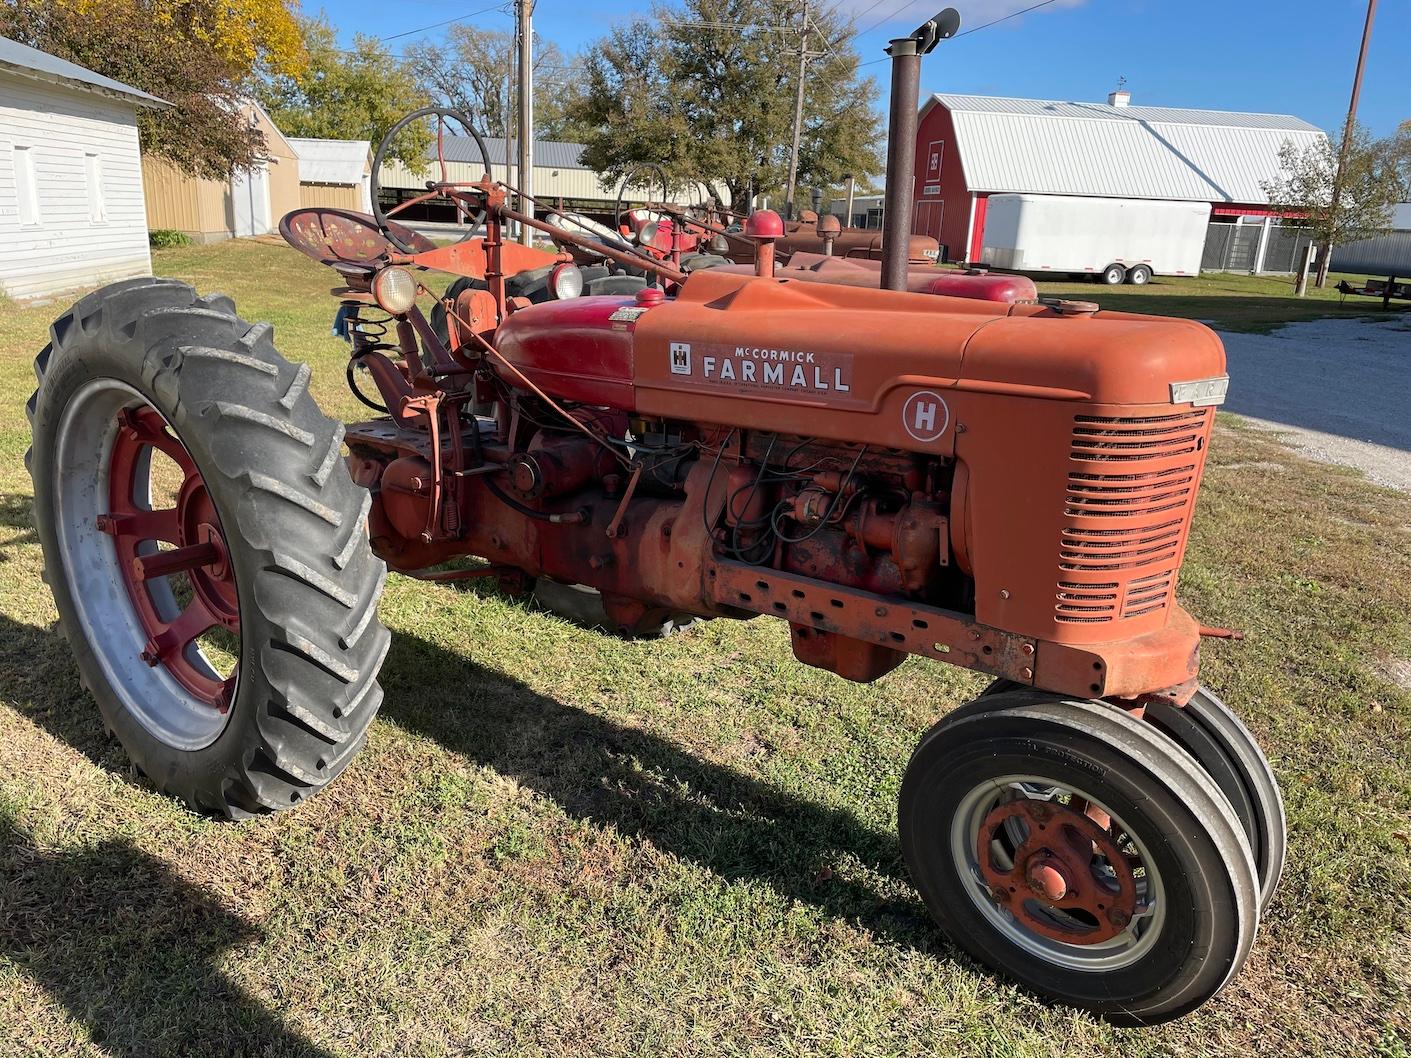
column 648, row 235
column 566, row 281
column 394, row 289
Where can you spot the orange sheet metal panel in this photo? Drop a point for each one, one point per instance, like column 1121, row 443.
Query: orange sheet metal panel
column 1076, row 473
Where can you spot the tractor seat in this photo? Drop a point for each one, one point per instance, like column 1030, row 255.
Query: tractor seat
column 343, row 239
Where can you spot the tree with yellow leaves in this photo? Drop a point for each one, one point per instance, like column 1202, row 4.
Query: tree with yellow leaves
column 203, row 56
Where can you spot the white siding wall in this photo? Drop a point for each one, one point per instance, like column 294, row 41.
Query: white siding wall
column 59, row 127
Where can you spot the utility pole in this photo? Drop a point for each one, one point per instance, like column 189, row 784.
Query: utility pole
column 525, row 10
column 798, row 115
column 1326, row 257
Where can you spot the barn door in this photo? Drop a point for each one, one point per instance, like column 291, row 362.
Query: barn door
column 926, row 217
column 250, row 196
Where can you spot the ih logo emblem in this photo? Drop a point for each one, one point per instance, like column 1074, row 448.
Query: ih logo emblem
column 925, row 416
column 680, row 358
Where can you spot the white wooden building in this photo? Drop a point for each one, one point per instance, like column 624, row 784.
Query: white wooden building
column 71, row 208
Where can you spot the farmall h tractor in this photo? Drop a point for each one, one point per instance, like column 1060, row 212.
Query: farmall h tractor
column 1006, row 487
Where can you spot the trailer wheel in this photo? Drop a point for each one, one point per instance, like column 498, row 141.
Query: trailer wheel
column 1080, row 852
column 206, row 547
column 1139, row 275
column 1210, row 732
column 1113, row 275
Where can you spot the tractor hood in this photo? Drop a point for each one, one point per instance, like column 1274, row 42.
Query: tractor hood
column 844, row 363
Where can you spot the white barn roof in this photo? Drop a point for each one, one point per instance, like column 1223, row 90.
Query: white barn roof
column 1060, row 148
column 331, row 161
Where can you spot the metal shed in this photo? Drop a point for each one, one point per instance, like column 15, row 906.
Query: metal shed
column 560, row 176
column 334, row 172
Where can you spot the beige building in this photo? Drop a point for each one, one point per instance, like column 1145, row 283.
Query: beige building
column 243, row 204
column 561, row 179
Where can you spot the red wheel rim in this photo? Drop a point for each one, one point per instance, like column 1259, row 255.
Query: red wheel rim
column 1069, row 861
column 196, row 547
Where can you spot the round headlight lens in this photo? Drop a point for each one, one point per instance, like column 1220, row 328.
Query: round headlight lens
column 394, row 289
column 566, row 281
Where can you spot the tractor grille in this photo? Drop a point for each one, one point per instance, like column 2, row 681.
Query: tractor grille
column 1131, row 490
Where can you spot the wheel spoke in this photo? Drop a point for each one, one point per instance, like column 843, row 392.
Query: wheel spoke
column 192, row 623
column 142, row 525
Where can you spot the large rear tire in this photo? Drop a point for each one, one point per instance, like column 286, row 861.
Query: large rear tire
column 264, row 542
column 1080, row 852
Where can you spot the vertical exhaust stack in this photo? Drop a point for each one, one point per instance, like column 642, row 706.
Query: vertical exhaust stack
column 906, row 55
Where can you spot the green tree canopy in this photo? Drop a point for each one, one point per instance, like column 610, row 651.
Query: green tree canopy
column 707, row 90
column 354, row 94
column 1343, row 205
column 202, row 56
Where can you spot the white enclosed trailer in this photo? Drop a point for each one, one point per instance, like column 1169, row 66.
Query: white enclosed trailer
column 1118, row 239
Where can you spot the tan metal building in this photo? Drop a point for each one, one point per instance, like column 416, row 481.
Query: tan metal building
column 243, row 204
column 560, row 177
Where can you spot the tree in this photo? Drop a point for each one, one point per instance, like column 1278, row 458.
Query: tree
column 202, row 56
column 1343, row 205
column 350, row 95
column 473, row 72
column 708, row 90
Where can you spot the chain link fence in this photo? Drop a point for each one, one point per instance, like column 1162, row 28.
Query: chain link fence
column 1235, row 248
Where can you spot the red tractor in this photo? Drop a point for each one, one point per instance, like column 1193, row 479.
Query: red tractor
column 1004, row 487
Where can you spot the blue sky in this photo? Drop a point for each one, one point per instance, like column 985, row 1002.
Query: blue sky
column 1294, row 57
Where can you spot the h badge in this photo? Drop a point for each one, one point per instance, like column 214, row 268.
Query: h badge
column 925, row 416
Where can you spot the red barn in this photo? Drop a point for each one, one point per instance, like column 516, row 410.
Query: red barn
column 970, row 147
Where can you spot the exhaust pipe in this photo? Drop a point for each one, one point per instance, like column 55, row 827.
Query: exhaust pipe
column 906, row 55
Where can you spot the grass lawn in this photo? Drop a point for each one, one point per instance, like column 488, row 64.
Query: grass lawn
column 556, row 843
column 1229, row 301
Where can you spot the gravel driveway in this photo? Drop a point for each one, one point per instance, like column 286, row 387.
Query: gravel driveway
column 1340, row 389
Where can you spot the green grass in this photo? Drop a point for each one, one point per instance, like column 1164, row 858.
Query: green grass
column 556, row 843
column 1230, row 301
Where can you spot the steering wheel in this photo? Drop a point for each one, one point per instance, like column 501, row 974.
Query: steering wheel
column 627, row 179
column 434, row 189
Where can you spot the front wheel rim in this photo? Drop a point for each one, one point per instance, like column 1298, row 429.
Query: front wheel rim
column 148, row 583
column 1083, row 894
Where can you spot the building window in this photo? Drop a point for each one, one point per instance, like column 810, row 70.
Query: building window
column 97, row 207
column 26, row 186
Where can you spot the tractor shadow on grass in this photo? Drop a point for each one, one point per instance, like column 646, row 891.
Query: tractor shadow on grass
column 739, row 827
column 131, row 951
column 15, row 514
column 736, row 826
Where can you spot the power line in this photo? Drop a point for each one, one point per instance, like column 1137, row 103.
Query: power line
column 964, row 33
column 1005, row 18
column 437, row 25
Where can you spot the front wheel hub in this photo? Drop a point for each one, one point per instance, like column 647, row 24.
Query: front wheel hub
column 1064, row 874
